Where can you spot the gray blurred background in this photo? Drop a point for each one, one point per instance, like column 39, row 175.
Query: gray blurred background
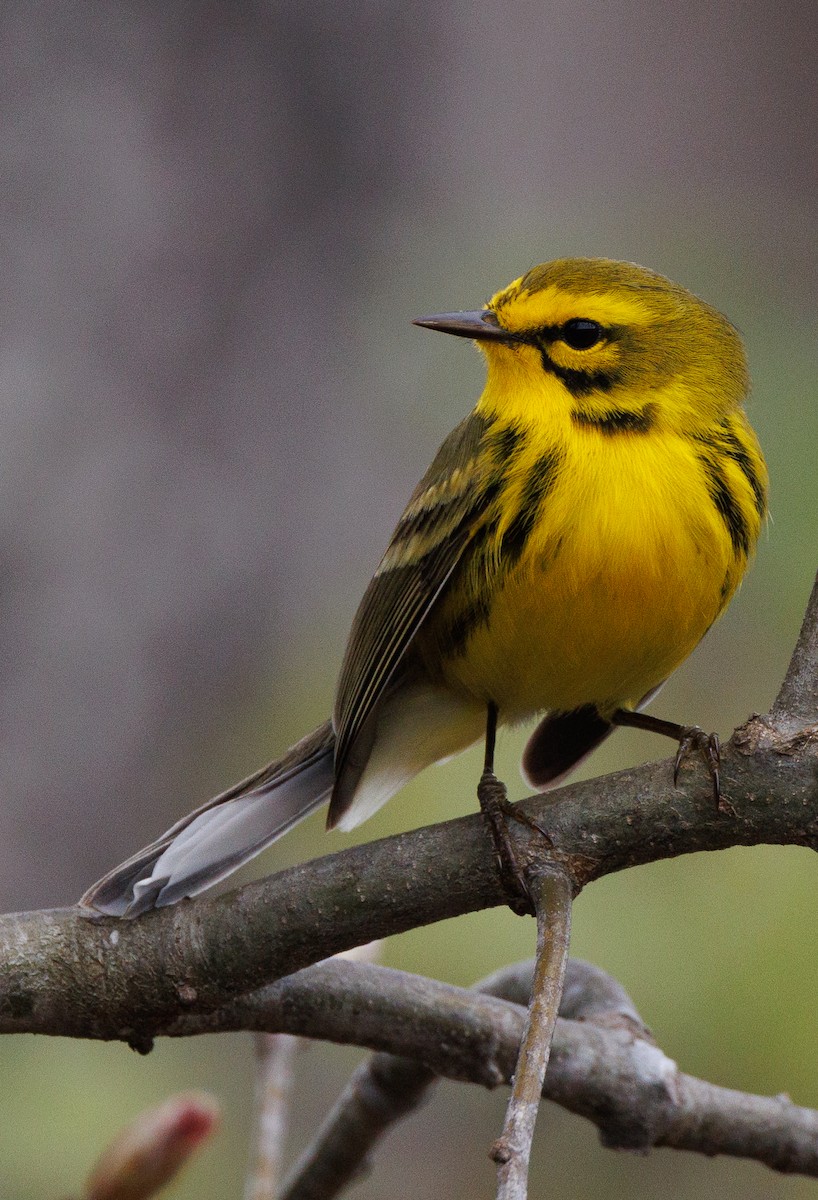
column 217, row 223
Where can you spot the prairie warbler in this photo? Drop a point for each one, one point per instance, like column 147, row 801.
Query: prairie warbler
column 574, row 538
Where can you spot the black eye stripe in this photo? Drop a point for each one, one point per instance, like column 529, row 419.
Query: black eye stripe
column 580, row 333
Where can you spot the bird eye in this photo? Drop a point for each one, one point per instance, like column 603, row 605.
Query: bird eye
column 581, row 334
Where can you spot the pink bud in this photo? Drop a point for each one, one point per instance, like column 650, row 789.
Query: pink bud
column 153, row 1148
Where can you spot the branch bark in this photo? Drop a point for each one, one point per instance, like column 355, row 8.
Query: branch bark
column 604, row 1066
column 67, row 973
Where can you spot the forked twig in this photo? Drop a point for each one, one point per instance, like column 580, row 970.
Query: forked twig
column 388, row 1087
column 550, row 889
column 604, row 1065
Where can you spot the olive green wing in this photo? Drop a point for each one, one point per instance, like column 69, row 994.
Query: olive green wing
column 444, row 512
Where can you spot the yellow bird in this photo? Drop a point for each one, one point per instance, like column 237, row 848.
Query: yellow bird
column 573, row 540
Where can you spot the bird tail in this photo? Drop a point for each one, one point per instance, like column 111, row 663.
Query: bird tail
column 223, row 834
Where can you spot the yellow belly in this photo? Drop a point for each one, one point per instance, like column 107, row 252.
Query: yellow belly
column 622, row 576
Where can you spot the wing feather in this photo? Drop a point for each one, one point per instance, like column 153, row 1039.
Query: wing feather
column 445, row 510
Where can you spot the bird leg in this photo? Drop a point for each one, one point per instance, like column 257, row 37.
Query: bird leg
column 496, row 809
column 690, row 738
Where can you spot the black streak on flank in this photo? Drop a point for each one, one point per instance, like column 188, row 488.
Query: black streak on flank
column 503, row 444
column 616, row 420
column 539, row 483
column 743, row 461
column 727, row 506
column 455, row 637
column 727, row 442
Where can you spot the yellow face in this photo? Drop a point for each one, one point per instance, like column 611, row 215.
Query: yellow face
column 609, row 331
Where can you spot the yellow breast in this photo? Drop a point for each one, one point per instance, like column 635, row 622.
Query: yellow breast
column 623, row 572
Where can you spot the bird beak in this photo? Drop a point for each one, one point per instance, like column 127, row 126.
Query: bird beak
column 481, row 326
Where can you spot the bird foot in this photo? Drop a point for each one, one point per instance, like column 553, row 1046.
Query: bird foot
column 495, row 806
column 691, row 738
column 694, row 740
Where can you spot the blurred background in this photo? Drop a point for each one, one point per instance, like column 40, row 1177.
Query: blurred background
column 217, row 223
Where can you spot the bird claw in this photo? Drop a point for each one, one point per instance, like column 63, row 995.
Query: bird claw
column 498, row 811
column 694, row 739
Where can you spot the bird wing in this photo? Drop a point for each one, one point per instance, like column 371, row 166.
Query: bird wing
column 442, row 516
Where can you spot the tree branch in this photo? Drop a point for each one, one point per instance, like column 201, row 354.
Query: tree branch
column 381, row 1091
column 604, row 1066
column 387, row 1088
column 103, row 978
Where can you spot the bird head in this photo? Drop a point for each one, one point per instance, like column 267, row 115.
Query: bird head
column 601, row 341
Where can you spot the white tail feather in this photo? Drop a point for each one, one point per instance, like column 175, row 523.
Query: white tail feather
column 417, row 726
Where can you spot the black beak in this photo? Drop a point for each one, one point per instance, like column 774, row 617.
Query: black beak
column 480, row 326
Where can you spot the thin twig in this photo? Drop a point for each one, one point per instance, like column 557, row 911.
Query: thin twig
column 381, row 1091
column 798, row 696
column 275, row 1057
column 550, row 890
